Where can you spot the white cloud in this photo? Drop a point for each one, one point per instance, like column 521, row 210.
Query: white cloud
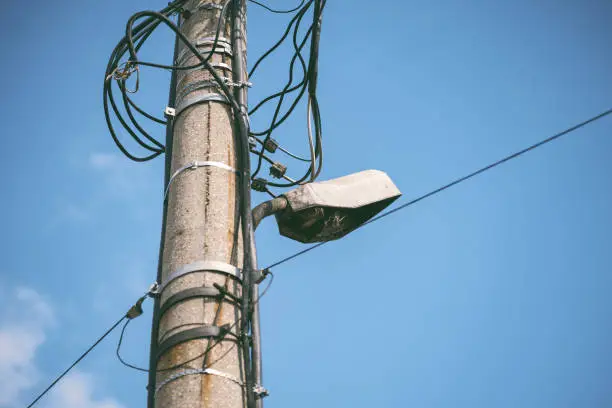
column 22, row 331
column 24, row 323
column 40, row 311
column 76, row 391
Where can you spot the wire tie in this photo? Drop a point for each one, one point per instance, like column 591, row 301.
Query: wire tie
column 260, row 391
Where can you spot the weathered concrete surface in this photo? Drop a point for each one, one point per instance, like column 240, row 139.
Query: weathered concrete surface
column 201, row 225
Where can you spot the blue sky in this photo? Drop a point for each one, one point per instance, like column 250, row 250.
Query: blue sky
column 492, row 294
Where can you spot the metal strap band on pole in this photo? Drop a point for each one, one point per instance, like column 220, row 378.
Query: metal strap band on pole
column 196, row 100
column 191, row 293
column 196, row 371
column 210, row 40
column 216, row 65
column 191, row 334
column 195, row 86
column 223, row 46
column 195, row 165
column 202, row 266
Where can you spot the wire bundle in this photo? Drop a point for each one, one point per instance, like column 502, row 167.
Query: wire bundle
column 306, row 84
column 124, row 62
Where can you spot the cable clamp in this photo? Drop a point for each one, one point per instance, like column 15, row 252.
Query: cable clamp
column 252, row 143
column 259, row 184
column 259, row 275
column 153, row 290
column 260, row 391
column 136, row 309
column 169, row 112
column 195, row 371
column 278, row 170
column 270, row 145
column 123, row 71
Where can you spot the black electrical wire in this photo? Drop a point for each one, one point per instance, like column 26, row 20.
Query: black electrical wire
column 126, row 105
column 282, row 39
column 140, row 33
column 77, row 361
column 282, row 149
column 288, row 88
column 152, row 378
column 109, row 94
column 297, row 56
column 146, row 114
column 118, row 350
column 276, row 95
column 251, row 352
column 204, row 353
column 278, row 11
column 163, row 19
column 215, row 322
column 297, row 50
column 275, row 122
column 457, row 181
column 308, row 74
column 318, row 148
column 204, row 60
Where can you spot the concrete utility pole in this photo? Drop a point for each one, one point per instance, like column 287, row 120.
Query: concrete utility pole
column 202, row 244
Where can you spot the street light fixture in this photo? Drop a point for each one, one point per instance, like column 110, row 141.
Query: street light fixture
column 328, row 210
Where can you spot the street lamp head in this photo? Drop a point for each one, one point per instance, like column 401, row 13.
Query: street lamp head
column 328, row 210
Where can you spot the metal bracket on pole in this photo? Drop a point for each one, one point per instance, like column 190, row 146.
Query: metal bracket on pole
column 202, row 266
column 169, row 112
